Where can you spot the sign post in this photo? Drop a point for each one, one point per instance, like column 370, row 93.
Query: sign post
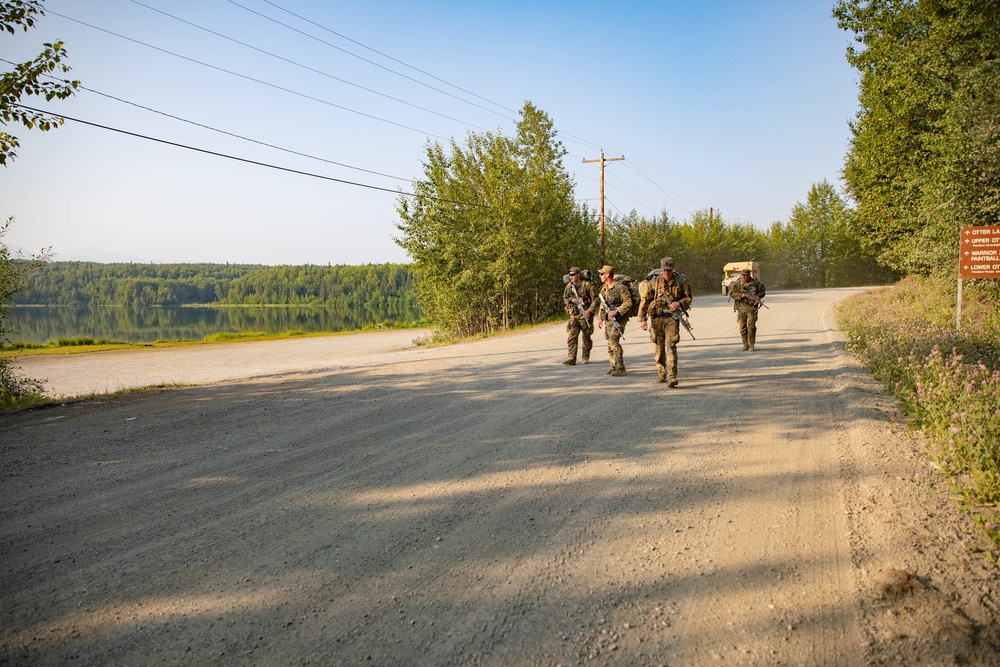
column 979, row 257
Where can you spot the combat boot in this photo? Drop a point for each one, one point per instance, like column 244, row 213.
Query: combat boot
column 752, row 339
column 672, row 383
column 569, row 361
column 620, row 362
column 661, row 378
column 746, row 344
column 586, row 359
column 618, row 371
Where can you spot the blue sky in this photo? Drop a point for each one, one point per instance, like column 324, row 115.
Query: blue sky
column 739, row 106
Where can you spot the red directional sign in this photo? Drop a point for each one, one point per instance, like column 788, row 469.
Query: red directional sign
column 979, row 256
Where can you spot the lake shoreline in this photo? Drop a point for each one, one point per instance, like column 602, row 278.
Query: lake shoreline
column 35, row 326
column 17, row 351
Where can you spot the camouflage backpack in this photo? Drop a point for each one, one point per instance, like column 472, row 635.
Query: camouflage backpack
column 589, row 276
column 633, row 288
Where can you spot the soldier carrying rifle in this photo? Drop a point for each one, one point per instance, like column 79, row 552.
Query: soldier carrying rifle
column 616, row 306
column 580, row 297
column 668, row 293
column 747, row 294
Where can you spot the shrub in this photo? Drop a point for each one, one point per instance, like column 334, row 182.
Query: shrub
column 16, row 390
column 946, row 379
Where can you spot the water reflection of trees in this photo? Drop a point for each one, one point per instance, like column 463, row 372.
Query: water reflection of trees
column 144, row 325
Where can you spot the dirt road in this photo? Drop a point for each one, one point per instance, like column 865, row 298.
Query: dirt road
column 344, row 501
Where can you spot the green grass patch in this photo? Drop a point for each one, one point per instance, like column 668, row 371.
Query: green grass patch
column 89, row 344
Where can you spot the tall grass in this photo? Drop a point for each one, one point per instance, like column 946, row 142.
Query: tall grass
column 947, row 379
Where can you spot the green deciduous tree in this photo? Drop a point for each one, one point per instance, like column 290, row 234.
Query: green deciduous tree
column 493, row 227
column 819, row 246
column 700, row 246
column 923, row 158
column 634, row 244
column 707, row 248
column 29, row 78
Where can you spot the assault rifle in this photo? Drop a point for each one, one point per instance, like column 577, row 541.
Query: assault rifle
column 613, row 320
column 752, row 298
column 681, row 314
column 579, row 307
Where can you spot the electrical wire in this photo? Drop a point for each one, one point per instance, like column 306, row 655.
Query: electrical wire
column 371, row 62
column 636, row 170
column 230, row 134
column 671, row 195
column 384, row 55
column 306, row 67
column 610, row 185
column 245, row 160
column 247, row 77
column 310, row 97
column 239, row 136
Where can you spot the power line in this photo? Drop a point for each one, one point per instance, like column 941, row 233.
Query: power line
column 239, row 136
column 670, row 194
column 385, row 55
column 289, row 90
column 313, row 157
column 231, row 134
column 247, row 77
column 365, row 46
column 645, row 206
column 640, row 190
column 305, row 67
column 246, row 160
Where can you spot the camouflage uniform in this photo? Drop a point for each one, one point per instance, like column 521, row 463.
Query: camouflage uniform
column 577, row 325
column 746, row 311
column 619, row 298
column 664, row 329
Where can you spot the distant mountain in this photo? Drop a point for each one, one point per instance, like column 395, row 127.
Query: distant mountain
column 95, row 255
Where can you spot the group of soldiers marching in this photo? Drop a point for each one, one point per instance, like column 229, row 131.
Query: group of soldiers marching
column 664, row 300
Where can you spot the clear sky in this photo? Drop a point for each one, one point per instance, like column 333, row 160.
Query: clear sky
column 739, row 106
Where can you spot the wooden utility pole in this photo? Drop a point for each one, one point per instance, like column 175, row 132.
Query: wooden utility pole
column 602, row 161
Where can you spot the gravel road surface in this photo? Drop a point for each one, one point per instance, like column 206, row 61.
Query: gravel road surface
column 355, row 500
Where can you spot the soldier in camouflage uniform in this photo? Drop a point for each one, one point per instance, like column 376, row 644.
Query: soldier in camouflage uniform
column 580, row 297
column 616, row 305
column 747, row 294
column 668, row 292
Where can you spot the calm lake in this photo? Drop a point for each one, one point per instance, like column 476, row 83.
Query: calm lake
column 39, row 324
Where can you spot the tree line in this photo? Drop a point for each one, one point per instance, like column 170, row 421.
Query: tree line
column 493, row 226
column 380, row 287
column 815, row 248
